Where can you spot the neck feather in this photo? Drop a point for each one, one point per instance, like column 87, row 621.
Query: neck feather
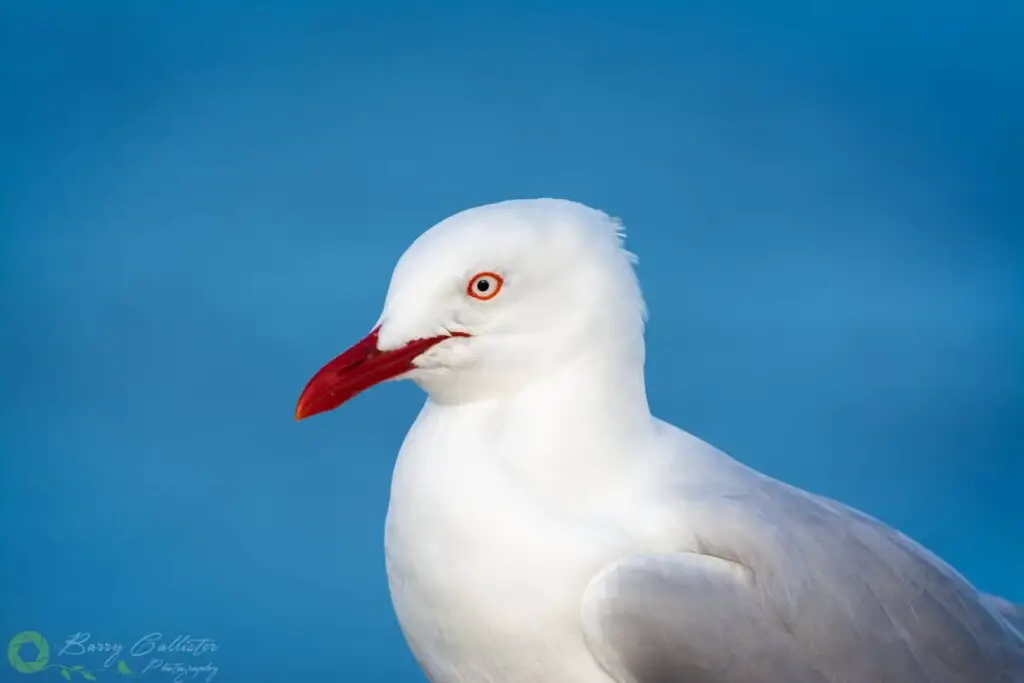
column 576, row 436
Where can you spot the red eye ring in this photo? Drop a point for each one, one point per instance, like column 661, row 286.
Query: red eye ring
column 484, row 286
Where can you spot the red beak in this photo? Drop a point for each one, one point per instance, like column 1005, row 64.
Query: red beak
column 358, row 369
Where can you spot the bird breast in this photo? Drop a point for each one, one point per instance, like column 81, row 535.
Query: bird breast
column 487, row 579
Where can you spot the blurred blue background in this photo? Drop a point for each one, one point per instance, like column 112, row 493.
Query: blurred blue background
column 199, row 206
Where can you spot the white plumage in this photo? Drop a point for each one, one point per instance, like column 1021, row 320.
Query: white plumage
column 544, row 527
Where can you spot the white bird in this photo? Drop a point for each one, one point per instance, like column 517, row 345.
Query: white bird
column 545, row 527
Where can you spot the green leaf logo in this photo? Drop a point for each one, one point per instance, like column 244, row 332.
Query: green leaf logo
column 26, row 638
column 123, row 669
column 88, row 676
column 66, row 674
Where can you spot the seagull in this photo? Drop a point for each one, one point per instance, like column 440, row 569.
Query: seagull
column 543, row 526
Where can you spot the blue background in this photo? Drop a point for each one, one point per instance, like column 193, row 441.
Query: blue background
column 199, row 206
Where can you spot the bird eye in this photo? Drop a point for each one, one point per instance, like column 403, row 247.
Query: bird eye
column 484, row 286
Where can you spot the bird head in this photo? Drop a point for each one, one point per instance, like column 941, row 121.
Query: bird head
column 492, row 298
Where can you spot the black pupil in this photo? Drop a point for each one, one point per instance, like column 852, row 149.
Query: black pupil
column 482, row 285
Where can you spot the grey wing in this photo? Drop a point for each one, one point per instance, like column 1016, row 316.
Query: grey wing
column 794, row 588
column 688, row 618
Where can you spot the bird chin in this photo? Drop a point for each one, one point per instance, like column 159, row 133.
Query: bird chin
column 434, row 380
column 428, row 373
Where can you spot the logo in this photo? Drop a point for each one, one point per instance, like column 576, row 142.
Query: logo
column 152, row 656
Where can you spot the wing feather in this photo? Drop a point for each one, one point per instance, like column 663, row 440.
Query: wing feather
column 830, row 595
